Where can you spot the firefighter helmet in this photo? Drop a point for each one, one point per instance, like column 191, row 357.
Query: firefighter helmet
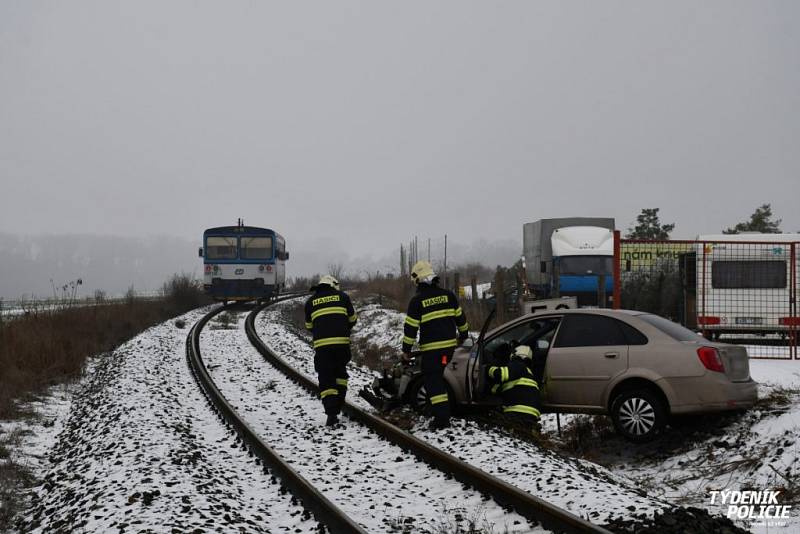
column 422, row 272
column 329, row 280
column 524, row 352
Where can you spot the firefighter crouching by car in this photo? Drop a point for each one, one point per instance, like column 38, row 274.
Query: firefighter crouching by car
column 518, row 388
column 441, row 323
column 330, row 317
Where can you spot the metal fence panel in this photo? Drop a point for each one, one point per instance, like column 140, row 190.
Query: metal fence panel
column 735, row 291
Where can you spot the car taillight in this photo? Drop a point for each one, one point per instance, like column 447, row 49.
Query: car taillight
column 789, row 321
column 711, row 359
column 707, row 319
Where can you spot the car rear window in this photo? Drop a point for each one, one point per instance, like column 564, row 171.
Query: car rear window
column 633, row 336
column 673, row 330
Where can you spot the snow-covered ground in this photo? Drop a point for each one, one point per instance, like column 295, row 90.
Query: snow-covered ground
column 134, row 447
column 758, row 450
column 586, row 489
column 142, row 451
column 32, row 436
column 373, row 481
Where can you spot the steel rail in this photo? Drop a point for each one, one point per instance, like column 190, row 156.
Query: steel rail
column 312, row 499
column 527, row 505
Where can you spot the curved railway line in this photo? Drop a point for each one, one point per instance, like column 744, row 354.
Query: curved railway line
column 327, row 513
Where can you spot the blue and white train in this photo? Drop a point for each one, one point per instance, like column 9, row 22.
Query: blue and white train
column 243, row 263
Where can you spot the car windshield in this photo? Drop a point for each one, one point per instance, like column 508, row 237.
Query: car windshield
column 673, row 330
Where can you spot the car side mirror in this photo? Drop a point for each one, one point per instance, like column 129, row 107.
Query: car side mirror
column 542, row 344
column 200, row 252
column 468, row 343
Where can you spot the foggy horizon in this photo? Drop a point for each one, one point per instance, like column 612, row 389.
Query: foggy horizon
column 349, row 128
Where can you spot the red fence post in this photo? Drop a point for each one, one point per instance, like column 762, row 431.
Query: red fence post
column 793, row 302
column 617, row 304
column 702, row 311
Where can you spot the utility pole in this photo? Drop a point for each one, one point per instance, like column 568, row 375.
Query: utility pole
column 429, row 250
column 445, row 258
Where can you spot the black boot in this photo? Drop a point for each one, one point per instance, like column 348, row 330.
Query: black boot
column 332, row 419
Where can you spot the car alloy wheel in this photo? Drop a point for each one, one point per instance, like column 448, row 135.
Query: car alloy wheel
column 638, row 414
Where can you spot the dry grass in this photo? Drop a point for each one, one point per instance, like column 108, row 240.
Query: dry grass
column 48, row 346
column 393, row 292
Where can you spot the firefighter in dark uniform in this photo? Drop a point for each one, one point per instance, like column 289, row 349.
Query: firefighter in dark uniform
column 435, row 313
column 518, row 388
column 330, row 317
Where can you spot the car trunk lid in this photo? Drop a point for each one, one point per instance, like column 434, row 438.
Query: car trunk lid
column 736, row 361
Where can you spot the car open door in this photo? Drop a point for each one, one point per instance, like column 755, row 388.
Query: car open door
column 476, row 374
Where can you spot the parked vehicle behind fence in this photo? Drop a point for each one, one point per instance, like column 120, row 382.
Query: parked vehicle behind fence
column 747, row 283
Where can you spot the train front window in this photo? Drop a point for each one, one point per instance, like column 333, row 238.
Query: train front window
column 256, row 248
column 221, row 248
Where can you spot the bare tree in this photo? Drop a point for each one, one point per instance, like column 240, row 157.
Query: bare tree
column 336, row 270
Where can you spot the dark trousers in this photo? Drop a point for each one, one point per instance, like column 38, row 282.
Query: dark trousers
column 433, row 364
column 330, row 362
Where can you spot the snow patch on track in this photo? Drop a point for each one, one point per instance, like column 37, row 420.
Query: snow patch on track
column 372, row 480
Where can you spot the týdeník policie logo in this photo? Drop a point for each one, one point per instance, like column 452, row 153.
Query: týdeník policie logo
column 761, row 507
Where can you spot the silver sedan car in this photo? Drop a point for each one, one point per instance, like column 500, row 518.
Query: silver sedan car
column 637, row 367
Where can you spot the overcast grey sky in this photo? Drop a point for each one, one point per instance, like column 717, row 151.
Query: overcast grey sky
column 368, row 122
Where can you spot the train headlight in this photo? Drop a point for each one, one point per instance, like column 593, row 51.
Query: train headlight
column 216, row 268
column 208, row 268
column 261, row 268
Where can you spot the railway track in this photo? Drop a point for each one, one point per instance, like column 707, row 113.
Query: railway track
column 510, row 497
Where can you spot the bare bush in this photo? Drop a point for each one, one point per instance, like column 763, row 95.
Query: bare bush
column 184, row 292
column 130, row 296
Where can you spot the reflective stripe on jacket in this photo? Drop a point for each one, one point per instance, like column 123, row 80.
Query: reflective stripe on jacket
column 330, row 316
column 515, row 383
column 434, row 313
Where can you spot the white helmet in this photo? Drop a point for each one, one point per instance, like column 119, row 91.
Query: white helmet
column 422, row 272
column 330, row 281
column 524, row 352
